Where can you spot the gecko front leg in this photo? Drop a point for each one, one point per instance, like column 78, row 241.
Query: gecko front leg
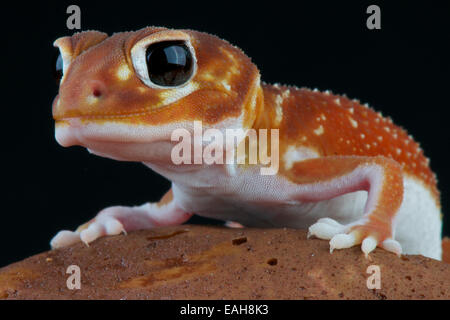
column 328, row 177
column 119, row 219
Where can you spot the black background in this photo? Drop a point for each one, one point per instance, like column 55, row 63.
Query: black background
column 402, row 70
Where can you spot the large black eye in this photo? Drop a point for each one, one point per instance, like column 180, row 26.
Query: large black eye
column 169, row 63
column 57, row 67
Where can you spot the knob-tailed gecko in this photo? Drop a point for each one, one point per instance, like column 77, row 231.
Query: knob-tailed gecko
column 345, row 172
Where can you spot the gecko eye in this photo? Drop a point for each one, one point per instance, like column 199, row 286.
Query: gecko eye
column 58, row 67
column 169, row 63
column 164, row 64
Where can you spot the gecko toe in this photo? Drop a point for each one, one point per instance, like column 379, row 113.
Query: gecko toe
column 368, row 245
column 325, row 228
column 93, row 232
column 392, row 246
column 343, row 241
column 114, row 227
column 64, row 238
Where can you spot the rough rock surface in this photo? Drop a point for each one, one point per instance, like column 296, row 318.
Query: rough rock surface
column 202, row 262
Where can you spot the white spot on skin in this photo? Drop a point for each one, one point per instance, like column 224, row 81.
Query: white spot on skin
column 319, row 131
column 286, row 93
column 337, row 101
column 399, row 151
column 363, row 135
column 172, row 95
column 234, row 68
column 278, row 103
column 387, row 129
column 207, row 76
column 322, row 116
column 380, row 138
column 123, row 72
column 353, row 122
column 226, row 85
column 351, row 110
column 90, row 99
column 278, row 114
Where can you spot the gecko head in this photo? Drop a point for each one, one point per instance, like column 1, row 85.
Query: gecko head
column 134, row 88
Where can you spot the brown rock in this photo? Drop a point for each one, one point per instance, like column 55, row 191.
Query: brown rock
column 199, row 262
column 446, row 250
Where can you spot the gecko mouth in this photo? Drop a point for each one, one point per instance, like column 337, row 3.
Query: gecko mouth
column 87, row 132
column 115, row 140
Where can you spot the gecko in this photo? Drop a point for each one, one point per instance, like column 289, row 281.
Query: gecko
column 345, row 173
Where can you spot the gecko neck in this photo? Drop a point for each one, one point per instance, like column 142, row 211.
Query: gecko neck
column 268, row 109
column 263, row 118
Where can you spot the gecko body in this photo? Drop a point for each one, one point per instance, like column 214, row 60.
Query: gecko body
column 345, row 172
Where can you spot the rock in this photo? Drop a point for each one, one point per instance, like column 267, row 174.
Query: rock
column 204, row 262
column 446, row 250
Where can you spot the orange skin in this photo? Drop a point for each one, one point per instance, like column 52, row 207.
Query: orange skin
column 344, row 134
column 344, row 124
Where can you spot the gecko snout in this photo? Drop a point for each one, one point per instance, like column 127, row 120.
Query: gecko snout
column 83, row 99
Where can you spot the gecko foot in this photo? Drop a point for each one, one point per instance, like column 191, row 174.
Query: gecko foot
column 119, row 219
column 88, row 232
column 346, row 236
column 102, row 225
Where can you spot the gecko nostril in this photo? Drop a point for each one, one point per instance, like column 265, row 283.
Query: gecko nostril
column 97, row 93
column 95, row 88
